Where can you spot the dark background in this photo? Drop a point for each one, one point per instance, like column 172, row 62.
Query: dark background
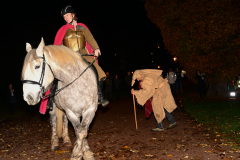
column 124, row 33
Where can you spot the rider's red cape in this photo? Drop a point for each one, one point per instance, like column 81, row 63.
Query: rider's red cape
column 58, row 41
column 61, row 32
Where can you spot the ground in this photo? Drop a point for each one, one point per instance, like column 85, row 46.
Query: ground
column 113, row 135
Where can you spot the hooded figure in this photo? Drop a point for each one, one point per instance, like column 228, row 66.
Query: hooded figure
column 153, row 85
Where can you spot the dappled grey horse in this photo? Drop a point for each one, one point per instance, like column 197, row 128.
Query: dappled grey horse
column 78, row 100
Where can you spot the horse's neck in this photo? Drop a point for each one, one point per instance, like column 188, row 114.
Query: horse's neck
column 67, row 73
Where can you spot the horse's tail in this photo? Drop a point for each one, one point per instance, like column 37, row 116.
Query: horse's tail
column 59, row 114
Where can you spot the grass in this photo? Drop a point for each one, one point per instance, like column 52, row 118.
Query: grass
column 218, row 114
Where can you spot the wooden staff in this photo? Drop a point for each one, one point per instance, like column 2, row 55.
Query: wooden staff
column 135, row 112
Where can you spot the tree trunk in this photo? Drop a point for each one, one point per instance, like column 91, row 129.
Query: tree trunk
column 219, row 88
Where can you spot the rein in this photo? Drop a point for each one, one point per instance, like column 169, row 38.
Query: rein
column 42, row 77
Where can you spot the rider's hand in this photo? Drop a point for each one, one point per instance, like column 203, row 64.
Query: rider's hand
column 132, row 91
column 74, row 23
column 97, row 53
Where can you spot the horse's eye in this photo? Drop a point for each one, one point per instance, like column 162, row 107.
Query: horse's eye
column 36, row 67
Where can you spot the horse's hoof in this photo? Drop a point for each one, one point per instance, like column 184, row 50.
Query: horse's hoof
column 88, row 158
column 55, row 148
column 68, row 144
column 67, row 141
column 88, row 155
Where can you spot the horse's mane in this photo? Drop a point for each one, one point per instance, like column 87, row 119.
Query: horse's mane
column 61, row 55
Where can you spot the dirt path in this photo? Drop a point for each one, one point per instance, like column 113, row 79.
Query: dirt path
column 112, row 135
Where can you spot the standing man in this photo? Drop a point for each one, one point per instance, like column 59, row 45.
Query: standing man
column 153, row 85
column 238, row 81
column 11, row 99
column 128, row 80
column 171, row 77
column 179, row 81
column 108, row 86
column 117, row 85
column 201, row 84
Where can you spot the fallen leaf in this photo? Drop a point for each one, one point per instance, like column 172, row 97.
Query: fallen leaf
column 61, row 152
column 126, row 147
column 148, row 155
column 133, row 150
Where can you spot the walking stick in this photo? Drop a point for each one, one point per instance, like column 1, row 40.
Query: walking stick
column 135, row 112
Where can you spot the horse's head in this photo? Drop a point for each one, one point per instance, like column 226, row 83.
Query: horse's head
column 36, row 75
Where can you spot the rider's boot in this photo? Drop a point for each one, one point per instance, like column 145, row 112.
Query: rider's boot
column 101, row 99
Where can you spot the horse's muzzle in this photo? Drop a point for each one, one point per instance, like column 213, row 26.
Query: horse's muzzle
column 30, row 100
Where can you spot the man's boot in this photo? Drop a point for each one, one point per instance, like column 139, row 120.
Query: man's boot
column 101, row 100
column 159, row 128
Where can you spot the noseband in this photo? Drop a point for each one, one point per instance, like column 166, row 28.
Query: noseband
column 42, row 76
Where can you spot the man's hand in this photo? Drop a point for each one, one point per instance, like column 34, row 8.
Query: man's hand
column 97, row 53
column 132, row 91
column 74, row 23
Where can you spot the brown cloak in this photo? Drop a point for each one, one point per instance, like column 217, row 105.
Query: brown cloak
column 154, row 86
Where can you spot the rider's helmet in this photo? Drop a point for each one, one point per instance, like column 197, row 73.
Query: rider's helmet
column 67, row 9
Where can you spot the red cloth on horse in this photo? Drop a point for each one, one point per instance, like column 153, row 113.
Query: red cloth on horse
column 43, row 106
column 148, row 104
column 58, row 41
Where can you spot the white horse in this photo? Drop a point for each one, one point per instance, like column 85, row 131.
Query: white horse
column 80, row 99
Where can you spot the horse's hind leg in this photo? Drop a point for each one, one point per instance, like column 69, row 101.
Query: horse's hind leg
column 53, row 122
column 65, row 136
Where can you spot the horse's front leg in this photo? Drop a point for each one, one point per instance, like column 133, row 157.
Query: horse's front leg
column 65, row 136
column 86, row 120
column 88, row 154
column 53, row 122
column 81, row 130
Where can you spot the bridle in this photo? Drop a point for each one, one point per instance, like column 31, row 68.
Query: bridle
column 41, row 77
column 43, row 73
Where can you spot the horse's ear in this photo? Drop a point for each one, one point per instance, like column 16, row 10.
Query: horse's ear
column 28, row 47
column 40, row 48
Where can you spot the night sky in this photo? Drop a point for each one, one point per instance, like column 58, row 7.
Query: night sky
column 119, row 27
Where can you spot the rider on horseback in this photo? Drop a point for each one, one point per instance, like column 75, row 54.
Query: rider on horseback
column 78, row 37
